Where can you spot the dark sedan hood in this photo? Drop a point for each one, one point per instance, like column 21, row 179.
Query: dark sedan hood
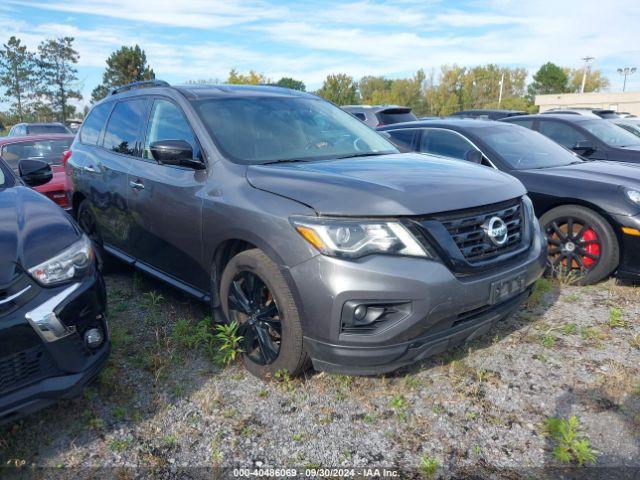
column 32, row 229
column 614, row 173
column 389, row 185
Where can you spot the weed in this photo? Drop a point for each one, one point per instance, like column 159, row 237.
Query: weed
column 429, row 465
column 635, row 342
column 471, row 415
column 119, row 413
column 230, row 342
column 170, row 440
column 569, row 329
column 284, row 378
column 119, row 446
column 548, row 340
column 399, row 405
column 296, row 437
column 153, row 299
column 263, row 393
column 571, row 446
column 572, row 298
column 368, row 419
column 541, row 287
column 615, row 318
column 229, row 413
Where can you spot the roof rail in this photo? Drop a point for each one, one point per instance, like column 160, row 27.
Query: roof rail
column 141, row 84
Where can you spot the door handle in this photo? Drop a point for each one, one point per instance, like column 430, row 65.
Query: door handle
column 90, row 169
column 137, row 184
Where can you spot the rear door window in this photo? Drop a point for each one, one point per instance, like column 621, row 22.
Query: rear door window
column 445, row 142
column 123, row 130
column 562, row 133
column 92, row 126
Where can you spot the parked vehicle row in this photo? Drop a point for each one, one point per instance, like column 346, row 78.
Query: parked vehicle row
column 589, row 210
column 327, row 243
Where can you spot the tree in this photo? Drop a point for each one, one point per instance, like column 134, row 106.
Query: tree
column 17, row 75
column 252, row 78
column 550, row 78
column 595, row 81
column 291, row 83
column 339, row 89
column 56, row 67
column 125, row 65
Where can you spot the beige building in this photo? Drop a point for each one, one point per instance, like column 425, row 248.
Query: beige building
column 620, row 101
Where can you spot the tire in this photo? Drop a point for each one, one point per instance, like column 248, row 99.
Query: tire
column 87, row 221
column 273, row 293
column 595, row 244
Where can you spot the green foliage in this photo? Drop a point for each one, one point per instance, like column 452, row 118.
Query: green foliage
column 291, row 83
column 229, row 342
column 17, row 75
column 125, row 65
column 550, row 78
column 570, row 446
column 595, row 81
column 399, row 405
column 251, row 78
column 615, row 318
column 340, row 89
column 429, row 465
column 58, row 75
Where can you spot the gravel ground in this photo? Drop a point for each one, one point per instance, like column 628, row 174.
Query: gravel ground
column 165, row 407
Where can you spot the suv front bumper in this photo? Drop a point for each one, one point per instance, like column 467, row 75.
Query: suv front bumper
column 43, row 365
column 438, row 309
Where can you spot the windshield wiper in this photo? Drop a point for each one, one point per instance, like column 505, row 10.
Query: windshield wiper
column 364, row 154
column 290, row 160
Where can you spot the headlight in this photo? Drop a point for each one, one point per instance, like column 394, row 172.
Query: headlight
column 530, row 211
column 633, row 195
column 356, row 238
column 72, row 262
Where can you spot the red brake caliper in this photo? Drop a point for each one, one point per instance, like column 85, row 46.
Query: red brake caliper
column 592, row 248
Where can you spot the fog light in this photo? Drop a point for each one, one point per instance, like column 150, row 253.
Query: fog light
column 93, row 337
column 360, row 312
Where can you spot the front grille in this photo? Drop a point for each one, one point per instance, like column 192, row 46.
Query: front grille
column 466, row 230
column 25, row 367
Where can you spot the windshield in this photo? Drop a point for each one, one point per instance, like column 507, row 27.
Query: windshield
column 255, row 130
column 48, row 150
column 611, row 134
column 42, row 129
column 523, row 149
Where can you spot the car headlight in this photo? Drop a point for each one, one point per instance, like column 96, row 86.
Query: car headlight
column 351, row 238
column 530, row 211
column 633, row 195
column 73, row 262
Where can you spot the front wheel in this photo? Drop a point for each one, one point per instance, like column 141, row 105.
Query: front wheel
column 581, row 244
column 254, row 294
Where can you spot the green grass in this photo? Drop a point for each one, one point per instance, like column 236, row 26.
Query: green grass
column 571, row 446
column 429, row 465
column 615, row 318
column 119, row 446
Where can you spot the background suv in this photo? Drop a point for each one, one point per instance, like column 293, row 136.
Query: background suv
column 302, row 224
column 376, row 115
column 24, row 129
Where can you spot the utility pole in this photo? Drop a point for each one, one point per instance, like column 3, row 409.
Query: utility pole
column 626, row 71
column 501, row 86
column 586, row 61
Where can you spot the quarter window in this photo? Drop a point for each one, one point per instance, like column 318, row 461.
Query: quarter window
column 168, row 123
column 560, row 133
column 122, row 133
column 444, row 142
column 403, row 139
column 92, row 126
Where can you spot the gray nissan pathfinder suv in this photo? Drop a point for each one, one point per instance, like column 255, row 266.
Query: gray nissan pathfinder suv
column 303, row 225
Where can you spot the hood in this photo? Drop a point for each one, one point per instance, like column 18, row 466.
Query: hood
column 32, row 229
column 388, row 185
column 614, row 173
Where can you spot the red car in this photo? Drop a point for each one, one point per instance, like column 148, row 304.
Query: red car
column 53, row 148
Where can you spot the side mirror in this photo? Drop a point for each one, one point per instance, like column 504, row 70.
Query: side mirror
column 175, row 152
column 584, row 147
column 473, row 156
column 34, row 172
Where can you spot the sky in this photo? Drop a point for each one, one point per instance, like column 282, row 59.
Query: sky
column 307, row 40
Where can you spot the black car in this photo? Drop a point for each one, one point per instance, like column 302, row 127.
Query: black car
column 590, row 210
column 53, row 332
column 488, row 114
column 592, row 138
column 376, row 115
